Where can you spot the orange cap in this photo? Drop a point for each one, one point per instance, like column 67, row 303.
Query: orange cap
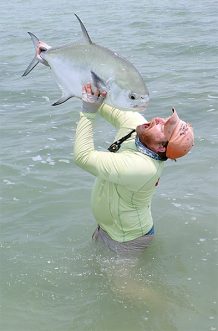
column 180, row 136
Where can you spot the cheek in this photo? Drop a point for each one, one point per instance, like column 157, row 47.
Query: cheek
column 158, row 135
column 145, row 134
column 138, row 129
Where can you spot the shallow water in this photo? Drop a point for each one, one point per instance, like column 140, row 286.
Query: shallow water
column 52, row 276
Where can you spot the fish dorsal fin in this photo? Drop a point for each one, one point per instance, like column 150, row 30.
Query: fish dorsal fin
column 84, row 31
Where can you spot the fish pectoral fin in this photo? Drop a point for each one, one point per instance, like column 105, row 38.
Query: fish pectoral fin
column 98, row 81
column 63, row 99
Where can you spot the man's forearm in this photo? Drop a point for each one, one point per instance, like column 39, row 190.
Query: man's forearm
column 120, row 118
column 111, row 115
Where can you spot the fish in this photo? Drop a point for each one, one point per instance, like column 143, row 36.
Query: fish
column 77, row 63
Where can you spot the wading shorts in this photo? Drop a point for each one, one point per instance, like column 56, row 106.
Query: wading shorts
column 135, row 245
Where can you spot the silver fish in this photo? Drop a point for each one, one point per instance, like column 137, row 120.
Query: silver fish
column 75, row 64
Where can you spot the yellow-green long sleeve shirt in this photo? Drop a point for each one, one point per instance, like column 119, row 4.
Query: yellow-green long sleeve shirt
column 125, row 181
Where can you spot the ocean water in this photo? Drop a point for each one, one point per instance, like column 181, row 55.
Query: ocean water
column 52, row 276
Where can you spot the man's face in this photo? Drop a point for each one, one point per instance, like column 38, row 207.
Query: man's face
column 152, row 135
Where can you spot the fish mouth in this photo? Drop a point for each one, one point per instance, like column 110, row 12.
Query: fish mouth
column 141, row 107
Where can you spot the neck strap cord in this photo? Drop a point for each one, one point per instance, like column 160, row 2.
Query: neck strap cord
column 116, row 145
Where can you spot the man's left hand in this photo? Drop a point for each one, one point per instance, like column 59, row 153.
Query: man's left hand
column 91, row 101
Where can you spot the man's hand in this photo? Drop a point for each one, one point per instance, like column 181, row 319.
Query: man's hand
column 91, row 101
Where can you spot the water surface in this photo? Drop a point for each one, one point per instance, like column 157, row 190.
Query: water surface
column 52, row 276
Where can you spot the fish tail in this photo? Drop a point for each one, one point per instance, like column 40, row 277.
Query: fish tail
column 31, row 66
column 35, row 60
column 39, row 47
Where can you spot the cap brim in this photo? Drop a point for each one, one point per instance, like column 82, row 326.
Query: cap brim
column 171, row 124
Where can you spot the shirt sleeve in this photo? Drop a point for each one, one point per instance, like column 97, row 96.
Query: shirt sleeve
column 120, row 118
column 123, row 168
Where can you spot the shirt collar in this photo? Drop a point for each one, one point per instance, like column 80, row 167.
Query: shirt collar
column 145, row 150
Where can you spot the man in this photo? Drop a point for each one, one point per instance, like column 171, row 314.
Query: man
column 127, row 175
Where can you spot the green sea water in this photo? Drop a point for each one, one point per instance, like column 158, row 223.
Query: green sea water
column 53, row 277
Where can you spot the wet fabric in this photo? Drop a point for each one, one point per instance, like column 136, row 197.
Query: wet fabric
column 125, row 181
column 131, row 246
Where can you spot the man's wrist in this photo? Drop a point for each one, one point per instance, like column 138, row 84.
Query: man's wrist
column 88, row 115
column 89, row 107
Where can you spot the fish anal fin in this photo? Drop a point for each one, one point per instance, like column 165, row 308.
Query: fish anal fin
column 63, row 99
column 84, row 31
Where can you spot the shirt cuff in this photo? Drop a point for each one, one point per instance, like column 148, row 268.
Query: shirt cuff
column 88, row 115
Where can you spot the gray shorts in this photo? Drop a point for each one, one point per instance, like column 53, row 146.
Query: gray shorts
column 132, row 246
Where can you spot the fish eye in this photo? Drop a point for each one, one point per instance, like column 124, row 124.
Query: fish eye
column 132, row 96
